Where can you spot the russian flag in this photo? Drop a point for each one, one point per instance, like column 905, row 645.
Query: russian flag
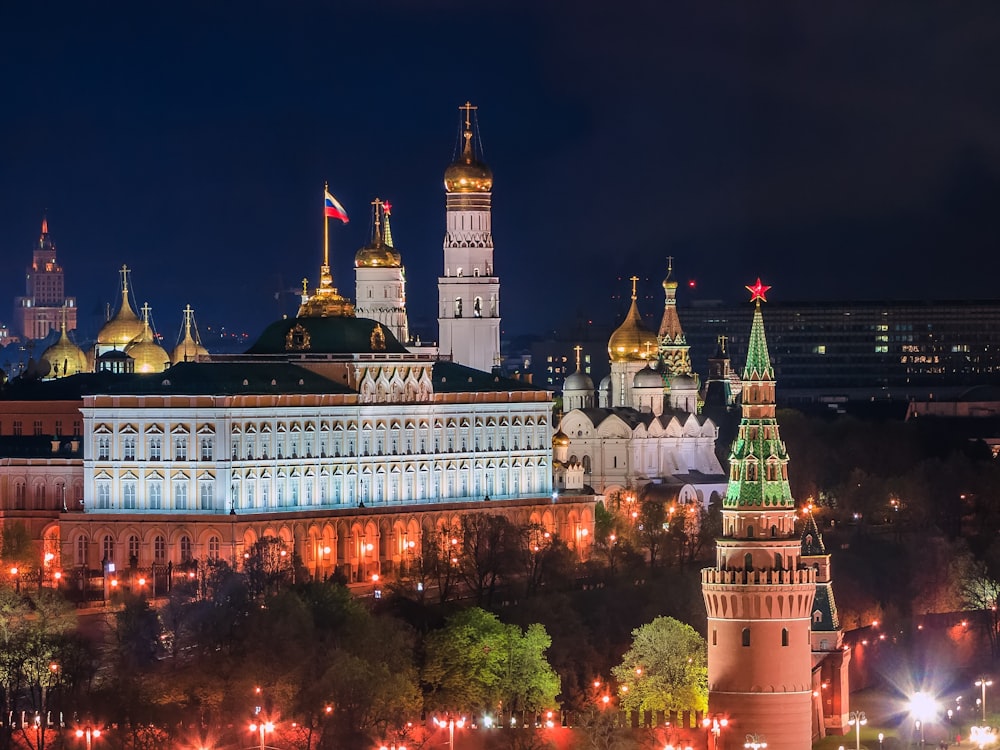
column 332, row 208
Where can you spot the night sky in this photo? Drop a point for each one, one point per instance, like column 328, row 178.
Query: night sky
column 837, row 150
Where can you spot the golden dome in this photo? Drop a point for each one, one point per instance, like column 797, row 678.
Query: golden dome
column 146, row 354
column 125, row 326
column 468, row 174
column 65, row 357
column 631, row 341
column 377, row 256
column 326, row 302
column 560, row 438
column 189, row 349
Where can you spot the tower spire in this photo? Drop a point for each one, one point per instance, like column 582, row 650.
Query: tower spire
column 386, row 231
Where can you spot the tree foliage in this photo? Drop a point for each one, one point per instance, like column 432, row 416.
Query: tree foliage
column 666, row 669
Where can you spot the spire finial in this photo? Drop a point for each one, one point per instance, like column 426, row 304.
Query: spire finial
column 145, row 313
column 188, row 315
column 377, row 207
column 757, row 292
column 45, row 225
column 578, row 349
column 670, row 265
column 64, row 319
column 386, row 229
column 723, row 338
column 469, row 108
column 124, row 273
column 633, row 279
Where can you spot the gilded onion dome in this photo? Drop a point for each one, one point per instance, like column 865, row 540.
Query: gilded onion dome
column 379, row 253
column 65, row 357
column 125, row 326
column 189, row 348
column 632, row 341
column 146, row 354
column 467, row 174
column 560, row 439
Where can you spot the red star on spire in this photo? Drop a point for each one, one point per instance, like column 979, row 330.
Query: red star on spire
column 757, row 291
column 387, row 207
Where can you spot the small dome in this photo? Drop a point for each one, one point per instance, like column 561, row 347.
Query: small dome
column 578, row 381
column 377, row 255
column 631, row 341
column 605, row 384
column 146, row 354
column 560, row 438
column 188, row 351
column 65, row 357
column 647, row 377
column 683, row 382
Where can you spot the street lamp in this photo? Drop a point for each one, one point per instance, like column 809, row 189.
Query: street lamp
column 754, row 742
column 261, row 728
column 984, row 683
column 89, row 733
column 451, row 723
column 981, row 736
column 923, row 707
column 715, row 726
column 857, row 720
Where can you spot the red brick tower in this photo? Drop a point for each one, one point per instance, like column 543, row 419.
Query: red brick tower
column 759, row 595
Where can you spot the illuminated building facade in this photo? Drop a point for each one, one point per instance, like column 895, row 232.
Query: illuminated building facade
column 40, row 310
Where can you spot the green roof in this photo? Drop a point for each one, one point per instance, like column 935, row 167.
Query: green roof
column 758, row 366
column 225, row 379
column 451, row 377
column 333, row 335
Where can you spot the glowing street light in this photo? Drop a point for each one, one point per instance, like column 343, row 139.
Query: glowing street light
column 715, row 726
column 981, row 736
column 89, row 733
column 261, row 728
column 754, row 742
column 984, row 683
column 450, row 722
column 857, row 720
column 923, row 708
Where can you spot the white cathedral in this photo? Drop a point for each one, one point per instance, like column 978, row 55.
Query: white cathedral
column 644, row 429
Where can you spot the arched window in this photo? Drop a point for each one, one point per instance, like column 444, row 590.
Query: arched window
column 777, row 560
column 185, row 548
column 108, row 549
column 81, row 550
column 748, row 561
column 159, row 549
column 133, row 551
column 213, row 548
column 774, row 531
column 458, row 307
column 784, row 636
column 749, row 532
column 477, row 307
column 746, row 636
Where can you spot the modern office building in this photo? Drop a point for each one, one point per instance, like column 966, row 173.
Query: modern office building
column 860, row 350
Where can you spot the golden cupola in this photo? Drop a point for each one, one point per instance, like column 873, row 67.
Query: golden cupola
column 468, row 174
column 65, row 357
column 632, row 341
column 189, row 348
column 125, row 326
column 379, row 253
column 146, row 354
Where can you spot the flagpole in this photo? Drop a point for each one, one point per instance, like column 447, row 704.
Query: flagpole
column 326, row 227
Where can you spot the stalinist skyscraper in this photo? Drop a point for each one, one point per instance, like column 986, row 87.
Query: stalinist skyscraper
column 40, row 310
column 469, row 290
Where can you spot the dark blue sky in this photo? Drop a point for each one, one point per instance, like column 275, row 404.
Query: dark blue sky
column 846, row 150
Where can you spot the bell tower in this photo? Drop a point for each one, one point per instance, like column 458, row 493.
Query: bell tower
column 759, row 596
column 469, row 290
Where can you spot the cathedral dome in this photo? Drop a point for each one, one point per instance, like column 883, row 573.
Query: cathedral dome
column 578, row 381
column 683, row 382
column 632, row 341
column 605, row 385
column 560, row 438
column 468, row 175
column 647, row 377
column 65, row 357
column 188, row 351
column 377, row 255
column 146, row 354
column 121, row 329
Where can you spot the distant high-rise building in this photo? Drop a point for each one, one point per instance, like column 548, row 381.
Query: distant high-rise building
column 40, row 310
column 469, row 290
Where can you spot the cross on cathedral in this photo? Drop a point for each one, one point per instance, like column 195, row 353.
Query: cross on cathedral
column 578, row 349
column 633, row 279
column 469, row 108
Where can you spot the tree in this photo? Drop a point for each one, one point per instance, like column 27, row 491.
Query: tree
column 477, row 662
column 268, row 566
column 489, row 550
column 652, row 517
column 666, row 669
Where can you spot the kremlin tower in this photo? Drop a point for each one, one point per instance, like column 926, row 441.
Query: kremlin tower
column 41, row 308
column 674, row 352
column 380, row 280
column 760, row 594
column 469, row 291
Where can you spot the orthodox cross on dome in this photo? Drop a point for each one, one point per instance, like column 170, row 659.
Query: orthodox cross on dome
column 469, row 108
column 757, row 291
column 378, row 207
column 722, row 339
column 670, row 265
column 633, row 279
column 145, row 312
column 124, row 273
column 578, row 349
